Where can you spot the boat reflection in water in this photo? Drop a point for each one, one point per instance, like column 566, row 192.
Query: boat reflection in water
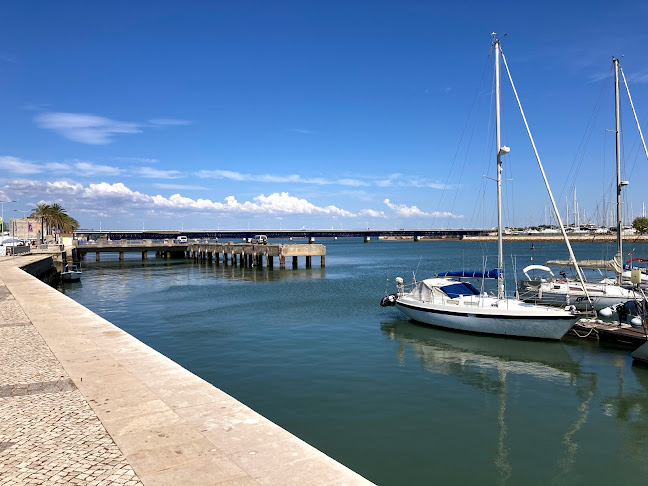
column 529, row 379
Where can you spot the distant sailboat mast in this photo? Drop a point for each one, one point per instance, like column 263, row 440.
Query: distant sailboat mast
column 617, row 129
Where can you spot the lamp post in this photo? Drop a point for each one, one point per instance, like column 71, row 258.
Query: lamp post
column 2, row 215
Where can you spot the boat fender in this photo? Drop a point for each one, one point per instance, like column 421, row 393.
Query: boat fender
column 607, row 312
column 636, row 321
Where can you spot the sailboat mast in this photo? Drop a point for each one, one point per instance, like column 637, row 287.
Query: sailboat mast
column 617, row 129
column 500, row 251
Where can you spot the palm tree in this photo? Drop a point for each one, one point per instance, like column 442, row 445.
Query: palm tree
column 44, row 212
column 55, row 216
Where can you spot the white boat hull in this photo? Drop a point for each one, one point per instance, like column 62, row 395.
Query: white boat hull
column 543, row 323
column 602, row 296
column 71, row 277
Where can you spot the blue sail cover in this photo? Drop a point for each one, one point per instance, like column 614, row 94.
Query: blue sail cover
column 490, row 274
column 460, row 288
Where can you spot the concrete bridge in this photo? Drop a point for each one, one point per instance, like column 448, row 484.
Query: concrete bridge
column 239, row 234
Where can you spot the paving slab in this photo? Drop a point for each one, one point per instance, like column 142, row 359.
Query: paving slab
column 83, row 402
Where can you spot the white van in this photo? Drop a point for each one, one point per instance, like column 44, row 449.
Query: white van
column 260, row 239
column 181, row 239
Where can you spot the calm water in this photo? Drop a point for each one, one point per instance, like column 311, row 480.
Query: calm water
column 397, row 402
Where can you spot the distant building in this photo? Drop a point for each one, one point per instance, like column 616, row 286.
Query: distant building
column 25, row 228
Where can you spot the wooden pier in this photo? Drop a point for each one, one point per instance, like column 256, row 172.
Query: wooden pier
column 235, row 254
column 610, row 332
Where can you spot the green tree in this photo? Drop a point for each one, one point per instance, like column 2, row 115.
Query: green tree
column 640, row 224
column 55, row 216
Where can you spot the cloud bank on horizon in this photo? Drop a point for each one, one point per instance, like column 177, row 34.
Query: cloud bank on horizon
column 105, row 198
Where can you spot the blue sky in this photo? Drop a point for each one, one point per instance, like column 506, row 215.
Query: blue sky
column 317, row 114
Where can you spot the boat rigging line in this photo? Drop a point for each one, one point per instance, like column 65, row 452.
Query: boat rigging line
column 544, row 177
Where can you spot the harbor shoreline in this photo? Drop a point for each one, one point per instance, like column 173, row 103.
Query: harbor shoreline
column 528, row 238
column 172, row 426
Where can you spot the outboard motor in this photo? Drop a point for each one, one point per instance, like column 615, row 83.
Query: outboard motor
column 388, row 301
column 622, row 311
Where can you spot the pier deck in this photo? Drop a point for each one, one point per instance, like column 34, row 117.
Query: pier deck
column 243, row 254
column 610, row 332
column 83, row 402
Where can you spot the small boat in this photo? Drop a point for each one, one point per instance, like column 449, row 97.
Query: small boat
column 447, row 301
column 71, row 273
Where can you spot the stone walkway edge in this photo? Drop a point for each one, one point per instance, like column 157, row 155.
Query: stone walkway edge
column 172, row 427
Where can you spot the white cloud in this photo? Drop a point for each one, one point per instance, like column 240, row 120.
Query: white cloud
column 238, row 176
column 136, row 160
column 35, row 189
column 151, row 173
column 392, row 180
column 371, row 213
column 58, row 167
column 118, row 196
column 413, row 211
column 90, row 169
column 19, row 166
column 85, row 128
column 180, row 187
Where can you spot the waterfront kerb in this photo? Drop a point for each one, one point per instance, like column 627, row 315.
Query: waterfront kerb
column 170, row 425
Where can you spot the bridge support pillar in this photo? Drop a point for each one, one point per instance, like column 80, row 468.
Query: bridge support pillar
column 309, row 261
column 282, row 262
column 323, row 261
column 270, row 261
column 294, row 262
column 145, row 255
column 121, row 255
column 97, row 257
column 167, row 254
column 260, row 260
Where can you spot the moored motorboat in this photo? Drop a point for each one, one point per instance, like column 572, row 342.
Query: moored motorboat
column 71, row 273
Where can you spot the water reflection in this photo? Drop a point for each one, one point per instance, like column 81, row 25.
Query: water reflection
column 138, row 269
column 490, row 363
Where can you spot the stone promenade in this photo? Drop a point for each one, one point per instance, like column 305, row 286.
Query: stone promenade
column 82, row 402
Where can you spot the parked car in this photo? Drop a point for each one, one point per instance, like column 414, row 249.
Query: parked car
column 260, row 239
column 180, row 239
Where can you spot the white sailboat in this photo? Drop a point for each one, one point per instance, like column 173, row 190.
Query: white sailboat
column 592, row 295
column 451, row 303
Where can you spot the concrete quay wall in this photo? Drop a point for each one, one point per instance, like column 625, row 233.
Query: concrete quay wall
column 172, row 426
